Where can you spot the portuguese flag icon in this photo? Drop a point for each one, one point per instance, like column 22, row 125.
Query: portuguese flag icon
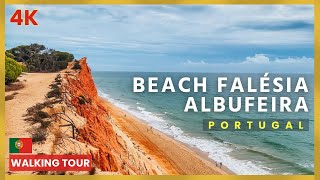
column 20, row 145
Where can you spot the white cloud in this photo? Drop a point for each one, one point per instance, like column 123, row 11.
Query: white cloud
column 189, row 62
column 296, row 60
column 175, row 31
column 257, row 63
column 257, row 59
column 263, row 59
column 172, row 26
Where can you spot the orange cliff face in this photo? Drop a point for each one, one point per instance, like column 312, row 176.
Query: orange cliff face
column 98, row 131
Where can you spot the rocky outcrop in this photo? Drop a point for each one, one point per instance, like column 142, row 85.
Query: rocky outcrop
column 115, row 152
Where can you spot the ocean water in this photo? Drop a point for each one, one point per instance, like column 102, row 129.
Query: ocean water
column 243, row 152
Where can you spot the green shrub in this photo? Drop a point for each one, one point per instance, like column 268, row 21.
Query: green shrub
column 63, row 56
column 76, row 65
column 13, row 69
column 9, row 54
column 23, row 68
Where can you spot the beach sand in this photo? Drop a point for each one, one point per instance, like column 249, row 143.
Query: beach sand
column 176, row 157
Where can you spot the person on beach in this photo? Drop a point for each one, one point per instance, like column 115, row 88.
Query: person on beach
column 220, row 165
column 149, row 129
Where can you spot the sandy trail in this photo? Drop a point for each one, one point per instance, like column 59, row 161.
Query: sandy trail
column 36, row 87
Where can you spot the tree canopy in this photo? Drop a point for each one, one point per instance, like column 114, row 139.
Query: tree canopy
column 38, row 58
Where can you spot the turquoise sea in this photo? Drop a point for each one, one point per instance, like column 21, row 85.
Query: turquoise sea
column 243, row 152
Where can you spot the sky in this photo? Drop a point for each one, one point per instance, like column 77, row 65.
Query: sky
column 175, row 38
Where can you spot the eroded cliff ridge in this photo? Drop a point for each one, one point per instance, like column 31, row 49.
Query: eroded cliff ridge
column 73, row 119
column 94, row 130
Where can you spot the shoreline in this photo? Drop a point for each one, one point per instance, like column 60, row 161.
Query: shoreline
column 119, row 115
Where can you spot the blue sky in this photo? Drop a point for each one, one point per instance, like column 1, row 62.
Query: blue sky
column 215, row 38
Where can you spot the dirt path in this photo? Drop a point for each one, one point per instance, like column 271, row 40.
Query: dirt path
column 36, row 87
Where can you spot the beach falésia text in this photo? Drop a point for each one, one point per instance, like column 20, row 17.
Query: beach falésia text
column 268, row 95
column 219, row 103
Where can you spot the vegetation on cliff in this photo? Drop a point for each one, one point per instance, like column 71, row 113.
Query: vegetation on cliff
column 13, row 69
column 38, row 58
column 33, row 58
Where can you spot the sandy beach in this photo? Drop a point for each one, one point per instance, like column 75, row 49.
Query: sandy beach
column 172, row 156
column 177, row 157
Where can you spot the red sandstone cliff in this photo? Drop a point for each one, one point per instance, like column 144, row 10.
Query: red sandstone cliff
column 114, row 153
